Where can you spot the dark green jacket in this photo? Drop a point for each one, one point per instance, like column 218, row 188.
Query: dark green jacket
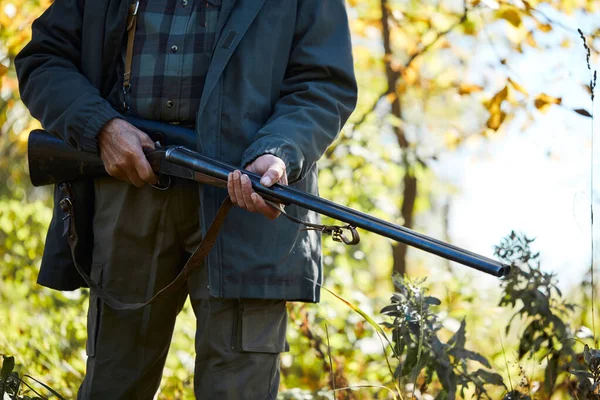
column 281, row 81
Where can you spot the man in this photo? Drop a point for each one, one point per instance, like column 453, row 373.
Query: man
column 267, row 84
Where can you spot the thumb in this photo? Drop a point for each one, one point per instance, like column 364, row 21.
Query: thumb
column 273, row 174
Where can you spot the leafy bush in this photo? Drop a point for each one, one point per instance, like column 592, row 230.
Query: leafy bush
column 547, row 335
column 11, row 384
column 419, row 349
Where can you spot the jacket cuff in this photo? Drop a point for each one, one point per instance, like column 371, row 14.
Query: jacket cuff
column 281, row 147
column 89, row 138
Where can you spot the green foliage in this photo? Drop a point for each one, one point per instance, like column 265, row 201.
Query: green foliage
column 48, row 342
column 588, row 385
column 547, row 334
column 14, row 386
column 420, row 350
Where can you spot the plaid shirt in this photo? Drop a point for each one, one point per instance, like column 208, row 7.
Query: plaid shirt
column 173, row 45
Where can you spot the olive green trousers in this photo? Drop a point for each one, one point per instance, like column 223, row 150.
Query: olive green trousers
column 142, row 238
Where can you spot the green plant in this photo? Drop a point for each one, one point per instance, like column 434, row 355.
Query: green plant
column 588, row 380
column 544, row 313
column 11, row 383
column 422, row 354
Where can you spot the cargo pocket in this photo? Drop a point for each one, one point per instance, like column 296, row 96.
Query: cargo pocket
column 263, row 326
column 94, row 312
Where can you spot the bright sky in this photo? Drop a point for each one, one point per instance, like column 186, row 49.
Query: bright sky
column 536, row 181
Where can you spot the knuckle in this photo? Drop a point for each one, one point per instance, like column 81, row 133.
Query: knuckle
column 112, row 170
column 121, row 163
column 128, row 153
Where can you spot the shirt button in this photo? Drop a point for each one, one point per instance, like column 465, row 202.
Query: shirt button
column 174, row 48
column 184, row 2
column 169, row 103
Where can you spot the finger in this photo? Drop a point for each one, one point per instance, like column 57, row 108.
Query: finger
column 230, row 188
column 273, row 174
column 250, row 168
column 284, row 179
column 134, row 178
column 145, row 141
column 263, row 208
column 247, row 193
column 237, row 187
column 117, row 173
column 144, row 170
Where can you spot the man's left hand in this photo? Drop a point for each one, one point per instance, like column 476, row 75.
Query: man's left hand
column 272, row 169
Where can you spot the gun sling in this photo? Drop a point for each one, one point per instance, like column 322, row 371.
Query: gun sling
column 193, row 263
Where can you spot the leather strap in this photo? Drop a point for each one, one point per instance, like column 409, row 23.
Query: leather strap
column 193, row 263
column 131, row 24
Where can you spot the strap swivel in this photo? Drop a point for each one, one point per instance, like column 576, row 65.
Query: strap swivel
column 336, row 231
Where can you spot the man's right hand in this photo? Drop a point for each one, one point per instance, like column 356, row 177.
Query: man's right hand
column 122, row 151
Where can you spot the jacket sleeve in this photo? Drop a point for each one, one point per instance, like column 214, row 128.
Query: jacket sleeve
column 318, row 93
column 50, row 79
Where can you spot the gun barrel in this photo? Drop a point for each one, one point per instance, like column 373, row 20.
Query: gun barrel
column 197, row 162
column 51, row 161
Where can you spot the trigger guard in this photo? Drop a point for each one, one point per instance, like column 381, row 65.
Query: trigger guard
column 164, row 182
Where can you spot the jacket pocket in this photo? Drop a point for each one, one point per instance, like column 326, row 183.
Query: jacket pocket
column 94, row 312
column 263, row 326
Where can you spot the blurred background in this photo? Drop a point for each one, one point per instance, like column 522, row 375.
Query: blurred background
column 474, row 120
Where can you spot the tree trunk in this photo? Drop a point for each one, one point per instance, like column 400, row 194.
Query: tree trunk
column 409, row 194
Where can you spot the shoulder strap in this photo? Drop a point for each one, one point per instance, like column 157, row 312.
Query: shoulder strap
column 131, row 24
column 193, row 263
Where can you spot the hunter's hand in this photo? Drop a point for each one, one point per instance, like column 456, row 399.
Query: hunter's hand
column 122, row 151
column 272, row 169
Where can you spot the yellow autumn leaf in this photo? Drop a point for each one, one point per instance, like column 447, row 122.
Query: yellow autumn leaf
column 466, row 88
column 493, row 104
column 409, row 75
column 544, row 101
column 510, row 14
column 401, row 87
column 391, row 97
column 530, row 40
column 3, row 69
column 496, row 119
column 544, row 27
column 517, row 87
column 469, row 27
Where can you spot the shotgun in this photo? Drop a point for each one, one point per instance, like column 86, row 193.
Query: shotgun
column 52, row 161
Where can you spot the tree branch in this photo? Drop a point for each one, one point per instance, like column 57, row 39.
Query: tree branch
column 412, row 58
column 440, row 35
column 369, row 111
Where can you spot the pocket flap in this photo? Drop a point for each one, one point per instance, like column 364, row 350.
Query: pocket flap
column 264, row 325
